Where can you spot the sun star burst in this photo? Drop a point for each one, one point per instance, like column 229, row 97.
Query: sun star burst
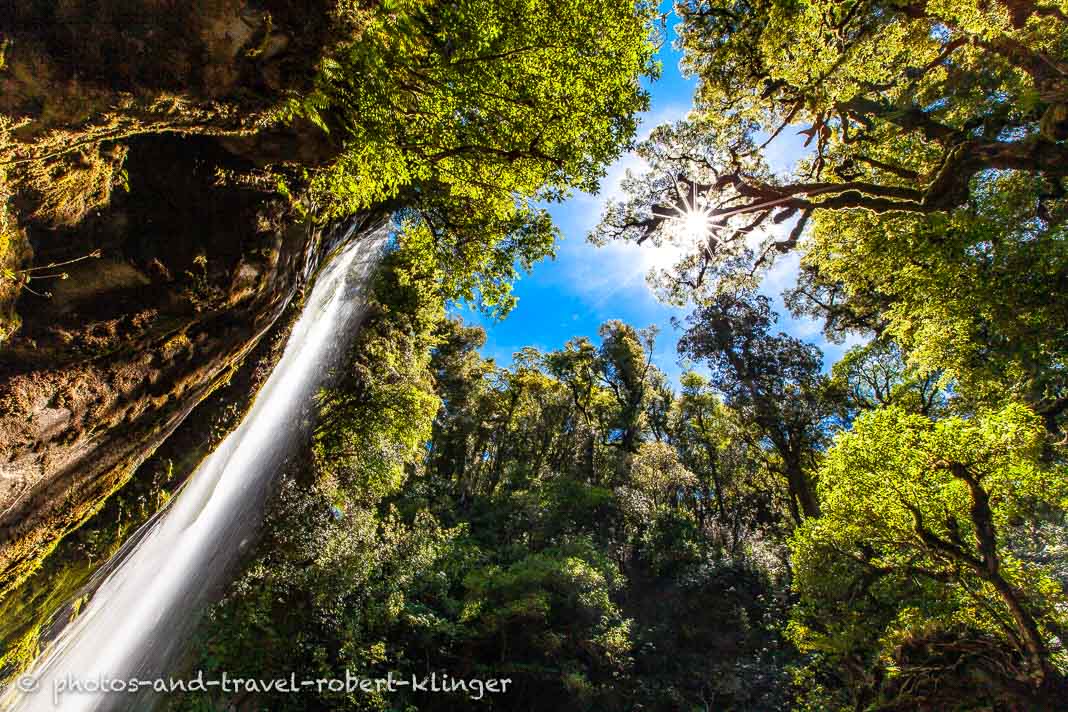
column 690, row 222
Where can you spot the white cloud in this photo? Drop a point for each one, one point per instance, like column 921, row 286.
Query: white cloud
column 786, row 150
column 782, row 275
column 668, row 114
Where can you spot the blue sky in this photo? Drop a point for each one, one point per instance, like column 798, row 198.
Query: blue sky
column 587, row 285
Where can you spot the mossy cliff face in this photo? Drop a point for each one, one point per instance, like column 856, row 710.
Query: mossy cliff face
column 130, row 159
column 34, row 611
column 81, row 80
column 189, row 277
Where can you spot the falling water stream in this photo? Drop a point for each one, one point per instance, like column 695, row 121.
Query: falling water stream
column 140, row 616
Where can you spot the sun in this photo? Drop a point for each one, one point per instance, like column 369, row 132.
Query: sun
column 695, row 224
column 691, row 221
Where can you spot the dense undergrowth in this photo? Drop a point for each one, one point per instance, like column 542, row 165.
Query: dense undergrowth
column 450, row 522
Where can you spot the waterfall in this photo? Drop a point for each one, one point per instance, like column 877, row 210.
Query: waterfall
column 138, row 620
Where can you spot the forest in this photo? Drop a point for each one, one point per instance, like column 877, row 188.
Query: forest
column 747, row 525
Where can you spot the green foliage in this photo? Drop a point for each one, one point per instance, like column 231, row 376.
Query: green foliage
column 930, row 215
column 325, row 596
column 735, row 491
column 529, row 538
column 966, row 294
column 480, row 99
column 875, row 375
column 374, row 422
column 479, row 255
column 774, row 380
column 908, row 106
column 574, row 523
column 465, row 115
column 529, row 605
column 914, row 535
column 931, row 207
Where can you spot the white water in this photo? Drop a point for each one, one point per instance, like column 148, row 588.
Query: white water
column 137, row 621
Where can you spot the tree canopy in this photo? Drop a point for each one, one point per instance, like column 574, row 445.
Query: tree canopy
column 930, row 205
column 904, row 104
column 774, row 379
column 917, row 527
column 928, row 211
column 465, row 114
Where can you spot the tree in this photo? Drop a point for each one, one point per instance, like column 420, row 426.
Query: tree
column 772, row 380
column 481, row 98
column 465, row 114
column 615, row 390
column 701, row 432
column 973, row 295
column 520, row 613
column 931, row 205
column 906, row 105
column 732, row 497
column 374, row 421
column 875, row 375
column 914, row 532
column 550, row 529
column 463, row 378
column 627, row 370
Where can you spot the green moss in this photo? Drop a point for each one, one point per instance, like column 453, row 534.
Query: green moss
column 26, row 612
column 76, row 184
column 45, row 578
